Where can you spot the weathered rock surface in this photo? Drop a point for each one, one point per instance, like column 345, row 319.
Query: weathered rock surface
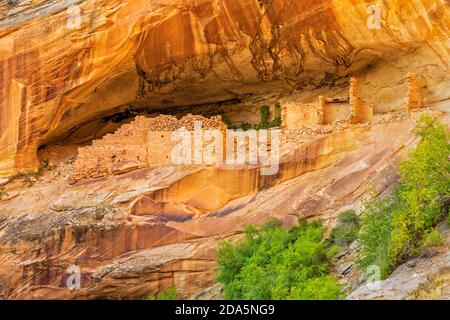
column 425, row 277
column 127, row 248
column 63, row 65
column 140, row 232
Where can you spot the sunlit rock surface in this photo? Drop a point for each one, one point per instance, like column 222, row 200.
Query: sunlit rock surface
column 59, row 69
column 127, row 249
column 140, row 232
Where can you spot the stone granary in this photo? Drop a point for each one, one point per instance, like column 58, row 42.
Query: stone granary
column 414, row 98
column 141, row 143
column 328, row 110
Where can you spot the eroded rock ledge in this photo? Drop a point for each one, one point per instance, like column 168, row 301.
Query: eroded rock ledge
column 126, row 249
column 149, row 54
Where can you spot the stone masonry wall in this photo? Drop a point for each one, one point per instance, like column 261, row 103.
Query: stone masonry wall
column 414, row 98
column 336, row 111
column 294, row 116
column 328, row 111
column 129, row 148
column 160, row 147
column 361, row 111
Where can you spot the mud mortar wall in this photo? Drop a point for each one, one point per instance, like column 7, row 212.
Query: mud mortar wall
column 414, row 98
column 141, row 143
column 294, row 116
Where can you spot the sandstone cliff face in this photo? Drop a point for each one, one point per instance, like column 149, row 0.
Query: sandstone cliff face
column 69, row 64
column 138, row 233
column 57, row 72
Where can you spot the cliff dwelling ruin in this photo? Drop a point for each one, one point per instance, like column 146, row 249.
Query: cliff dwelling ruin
column 148, row 142
column 329, row 110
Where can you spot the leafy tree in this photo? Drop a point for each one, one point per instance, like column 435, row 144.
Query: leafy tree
column 396, row 227
column 169, row 294
column 346, row 230
column 375, row 234
column 273, row 263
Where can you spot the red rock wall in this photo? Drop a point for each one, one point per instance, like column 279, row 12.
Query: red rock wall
column 53, row 78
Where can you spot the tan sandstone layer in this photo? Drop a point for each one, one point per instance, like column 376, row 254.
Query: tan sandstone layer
column 55, row 75
column 141, row 232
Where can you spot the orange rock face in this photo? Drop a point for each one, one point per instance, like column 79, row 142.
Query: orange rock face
column 61, row 65
column 138, row 233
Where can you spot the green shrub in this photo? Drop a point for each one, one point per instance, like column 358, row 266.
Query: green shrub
column 375, row 234
column 276, row 122
column 432, row 239
column 264, row 122
column 346, row 229
column 245, row 126
column 394, row 228
column 169, row 294
column 264, row 115
column 228, row 123
column 273, row 263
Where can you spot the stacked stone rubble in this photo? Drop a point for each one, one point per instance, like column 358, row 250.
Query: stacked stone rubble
column 129, row 147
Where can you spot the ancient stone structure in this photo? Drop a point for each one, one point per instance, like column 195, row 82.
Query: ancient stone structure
column 141, row 143
column 414, row 98
column 125, row 149
column 294, row 116
column 361, row 111
column 328, row 110
column 335, row 109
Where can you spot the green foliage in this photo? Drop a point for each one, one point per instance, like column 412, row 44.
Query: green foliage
column 169, row 294
column 273, row 263
column 432, row 239
column 264, row 122
column 276, row 122
column 264, row 114
column 3, row 194
column 346, row 230
column 228, row 123
column 395, row 228
column 245, row 126
column 375, row 234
